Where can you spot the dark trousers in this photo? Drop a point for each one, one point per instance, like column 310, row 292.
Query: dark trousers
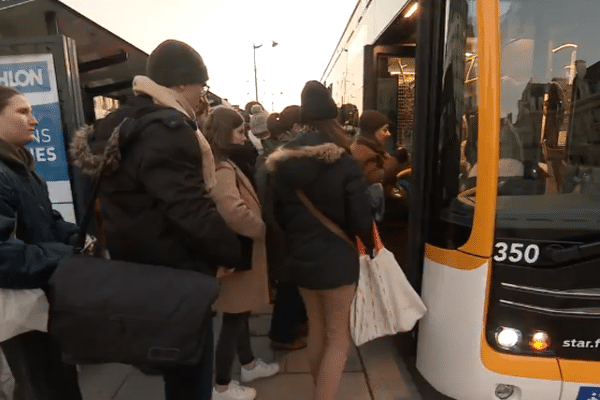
column 288, row 313
column 233, row 339
column 35, row 362
column 192, row 382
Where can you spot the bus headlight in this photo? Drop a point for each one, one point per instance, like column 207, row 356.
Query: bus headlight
column 507, row 338
column 540, row 341
column 504, row 391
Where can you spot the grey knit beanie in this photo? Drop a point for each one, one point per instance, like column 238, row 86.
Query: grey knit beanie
column 175, row 63
column 258, row 120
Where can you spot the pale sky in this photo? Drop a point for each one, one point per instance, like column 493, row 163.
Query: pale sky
column 223, row 32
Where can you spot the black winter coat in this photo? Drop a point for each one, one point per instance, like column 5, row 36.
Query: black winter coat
column 155, row 206
column 317, row 258
column 32, row 234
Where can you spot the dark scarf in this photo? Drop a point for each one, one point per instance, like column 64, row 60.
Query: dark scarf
column 244, row 157
column 16, row 157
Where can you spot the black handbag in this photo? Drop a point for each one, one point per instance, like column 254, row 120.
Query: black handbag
column 104, row 311
column 246, row 245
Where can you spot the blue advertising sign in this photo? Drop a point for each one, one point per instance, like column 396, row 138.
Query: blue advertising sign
column 48, row 148
column 35, row 77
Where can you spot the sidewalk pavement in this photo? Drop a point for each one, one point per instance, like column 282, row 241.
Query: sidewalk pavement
column 372, row 372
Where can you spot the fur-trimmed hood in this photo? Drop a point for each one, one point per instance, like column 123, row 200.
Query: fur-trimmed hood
column 88, row 155
column 327, row 152
column 304, row 159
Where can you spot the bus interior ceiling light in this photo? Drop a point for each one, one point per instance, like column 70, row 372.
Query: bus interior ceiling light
column 411, row 10
column 540, row 341
column 504, row 391
column 507, row 338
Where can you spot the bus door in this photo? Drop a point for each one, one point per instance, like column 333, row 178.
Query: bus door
column 390, row 87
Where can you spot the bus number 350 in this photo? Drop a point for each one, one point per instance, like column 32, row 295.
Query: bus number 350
column 517, row 252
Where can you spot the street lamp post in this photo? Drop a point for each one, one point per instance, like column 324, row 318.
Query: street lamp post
column 254, row 47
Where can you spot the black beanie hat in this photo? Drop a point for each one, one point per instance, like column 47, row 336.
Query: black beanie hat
column 175, row 63
column 371, row 121
column 317, row 103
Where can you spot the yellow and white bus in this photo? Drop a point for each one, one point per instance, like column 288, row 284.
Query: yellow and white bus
column 499, row 104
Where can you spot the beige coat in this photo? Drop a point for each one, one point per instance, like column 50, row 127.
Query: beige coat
column 238, row 204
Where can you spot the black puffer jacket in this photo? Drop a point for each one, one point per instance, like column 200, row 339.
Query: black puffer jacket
column 32, row 234
column 316, row 258
column 155, row 205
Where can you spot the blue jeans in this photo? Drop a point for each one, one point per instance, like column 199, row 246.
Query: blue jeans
column 192, row 382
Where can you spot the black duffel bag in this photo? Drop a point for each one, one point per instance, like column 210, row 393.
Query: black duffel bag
column 105, row 311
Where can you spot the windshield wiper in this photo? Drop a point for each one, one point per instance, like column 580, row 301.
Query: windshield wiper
column 578, row 252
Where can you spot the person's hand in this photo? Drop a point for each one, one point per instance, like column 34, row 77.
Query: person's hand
column 90, row 245
column 201, row 109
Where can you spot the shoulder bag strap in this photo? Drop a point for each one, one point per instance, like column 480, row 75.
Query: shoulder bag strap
column 332, row 226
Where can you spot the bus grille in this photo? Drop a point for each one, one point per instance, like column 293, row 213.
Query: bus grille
column 563, row 301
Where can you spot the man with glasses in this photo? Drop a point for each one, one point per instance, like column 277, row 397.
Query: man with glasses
column 155, row 202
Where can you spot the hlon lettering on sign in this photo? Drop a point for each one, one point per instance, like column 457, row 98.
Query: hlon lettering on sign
column 21, row 77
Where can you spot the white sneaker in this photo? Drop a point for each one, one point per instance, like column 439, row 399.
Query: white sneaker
column 234, row 392
column 260, row 370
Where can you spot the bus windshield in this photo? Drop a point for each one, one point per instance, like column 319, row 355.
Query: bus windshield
column 549, row 172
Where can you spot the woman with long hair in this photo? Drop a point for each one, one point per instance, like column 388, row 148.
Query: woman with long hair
column 33, row 240
column 246, row 289
column 316, row 179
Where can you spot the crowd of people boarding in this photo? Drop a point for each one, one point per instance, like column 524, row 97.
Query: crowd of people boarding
column 240, row 194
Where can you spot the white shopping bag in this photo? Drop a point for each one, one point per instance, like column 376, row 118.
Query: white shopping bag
column 385, row 302
column 22, row 310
